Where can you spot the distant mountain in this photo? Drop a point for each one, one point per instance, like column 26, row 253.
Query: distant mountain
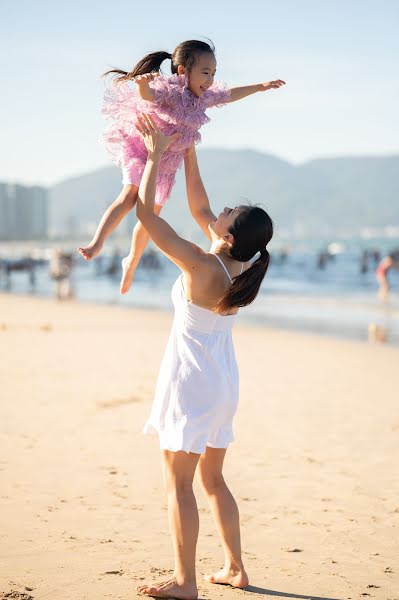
column 323, row 195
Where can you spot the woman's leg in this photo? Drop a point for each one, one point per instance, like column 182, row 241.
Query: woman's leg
column 140, row 239
column 225, row 513
column 179, row 469
column 111, row 219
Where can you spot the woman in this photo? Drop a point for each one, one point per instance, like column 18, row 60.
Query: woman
column 197, row 389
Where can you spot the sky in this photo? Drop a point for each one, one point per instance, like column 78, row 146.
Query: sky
column 338, row 57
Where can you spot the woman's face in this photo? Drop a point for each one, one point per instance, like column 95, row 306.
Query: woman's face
column 225, row 220
column 202, row 73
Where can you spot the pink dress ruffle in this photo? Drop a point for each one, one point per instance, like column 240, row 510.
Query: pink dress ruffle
column 175, row 109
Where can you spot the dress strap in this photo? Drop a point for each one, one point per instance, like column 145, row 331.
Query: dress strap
column 242, row 268
column 224, row 267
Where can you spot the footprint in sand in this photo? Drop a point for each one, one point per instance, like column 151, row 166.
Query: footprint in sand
column 119, row 495
column 246, row 518
column 17, row 595
column 136, row 507
column 117, row 572
column 111, row 470
column 161, row 571
column 115, row 402
column 311, row 460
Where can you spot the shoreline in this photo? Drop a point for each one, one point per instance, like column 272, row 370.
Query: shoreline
column 270, row 318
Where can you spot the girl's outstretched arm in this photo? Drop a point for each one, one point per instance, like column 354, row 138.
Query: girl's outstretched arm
column 242, row 92
column 196, row 194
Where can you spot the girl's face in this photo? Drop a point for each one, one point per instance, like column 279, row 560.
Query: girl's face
column 225, row 221
column 201, row 75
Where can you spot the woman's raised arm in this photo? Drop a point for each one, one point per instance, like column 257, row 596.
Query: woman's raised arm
column 196, row 194
column 186, row 255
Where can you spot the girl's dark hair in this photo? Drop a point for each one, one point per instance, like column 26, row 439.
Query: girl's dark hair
column 184, row 54
column 252, row 231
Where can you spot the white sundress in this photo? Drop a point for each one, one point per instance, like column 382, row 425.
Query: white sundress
column 196, row 395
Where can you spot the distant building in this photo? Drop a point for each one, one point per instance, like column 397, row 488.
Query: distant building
column 23, row 212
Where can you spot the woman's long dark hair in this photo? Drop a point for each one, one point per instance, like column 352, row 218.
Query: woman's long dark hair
column 184, row 54
column 252, row 231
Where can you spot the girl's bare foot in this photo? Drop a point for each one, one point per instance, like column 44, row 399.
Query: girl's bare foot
column 90, row 251
column 229, row 576
column 170, row 589
column 128, row 270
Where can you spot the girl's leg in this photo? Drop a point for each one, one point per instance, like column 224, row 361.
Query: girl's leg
column 140, row 239
column 225, row 513
column 111, row 219
column 179, row 469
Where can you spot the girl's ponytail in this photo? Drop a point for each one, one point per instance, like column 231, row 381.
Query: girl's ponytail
column 184, row 54
column 245, row 287
column 150, row 63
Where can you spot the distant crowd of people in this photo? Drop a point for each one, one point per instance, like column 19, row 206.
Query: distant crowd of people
column 61, row 266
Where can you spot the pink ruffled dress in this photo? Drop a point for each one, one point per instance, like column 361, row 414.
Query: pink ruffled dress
column 175, row 109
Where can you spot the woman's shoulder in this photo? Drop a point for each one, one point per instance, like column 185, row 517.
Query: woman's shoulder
column 219, row 271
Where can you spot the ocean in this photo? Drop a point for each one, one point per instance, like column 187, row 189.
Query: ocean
column 310, row 286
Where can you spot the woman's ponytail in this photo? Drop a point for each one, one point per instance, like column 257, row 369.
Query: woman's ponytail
column 245, row 287
column 149, row 64
column 252, row 231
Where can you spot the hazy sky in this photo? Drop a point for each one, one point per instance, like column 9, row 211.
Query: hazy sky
column 339, row 58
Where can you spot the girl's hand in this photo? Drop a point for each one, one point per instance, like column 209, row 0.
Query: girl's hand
column 156, row 142
column 145, row 78
column 271, row 85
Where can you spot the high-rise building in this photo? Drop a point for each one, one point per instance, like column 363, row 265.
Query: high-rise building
column 23, row 212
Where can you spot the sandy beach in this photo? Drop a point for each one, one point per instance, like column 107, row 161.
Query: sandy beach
column 314, row 466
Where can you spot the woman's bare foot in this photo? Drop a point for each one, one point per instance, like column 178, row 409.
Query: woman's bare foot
column 128, row 271
column 90, row 251
column 156, row 583
column 229, row 576
column 170, row 589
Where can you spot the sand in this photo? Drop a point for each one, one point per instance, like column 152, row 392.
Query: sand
column 314, row 466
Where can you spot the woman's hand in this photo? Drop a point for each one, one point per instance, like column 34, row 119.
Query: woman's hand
column 156, row 142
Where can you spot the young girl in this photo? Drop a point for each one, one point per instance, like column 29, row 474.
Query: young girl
column 177, row 104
